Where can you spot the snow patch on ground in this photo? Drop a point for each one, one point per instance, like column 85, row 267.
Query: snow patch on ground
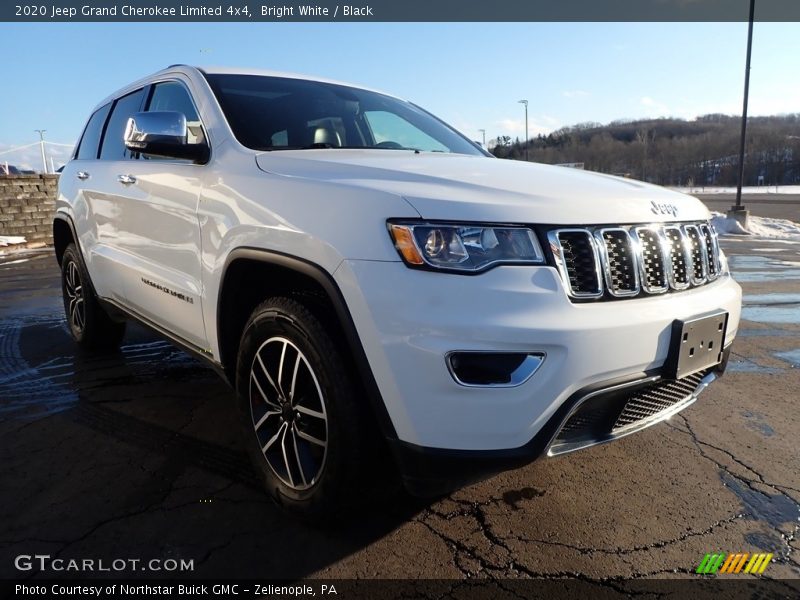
column 10, row 240
column 761, row 189
column 758, row 226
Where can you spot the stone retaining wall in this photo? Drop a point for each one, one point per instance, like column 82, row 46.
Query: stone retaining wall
column 27, row 206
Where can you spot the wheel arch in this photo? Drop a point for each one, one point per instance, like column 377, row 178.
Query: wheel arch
column 269, row 273
column 63, row 235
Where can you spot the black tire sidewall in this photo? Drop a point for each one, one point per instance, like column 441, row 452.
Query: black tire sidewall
column 71, row 256
column 289, row 319
column 99, row 331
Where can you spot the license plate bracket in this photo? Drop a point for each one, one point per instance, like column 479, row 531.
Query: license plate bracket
column 696, row 344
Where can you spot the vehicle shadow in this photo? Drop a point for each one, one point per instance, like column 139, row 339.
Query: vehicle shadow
column 145, row 459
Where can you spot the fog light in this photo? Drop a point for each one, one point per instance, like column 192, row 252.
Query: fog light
column 493, row 369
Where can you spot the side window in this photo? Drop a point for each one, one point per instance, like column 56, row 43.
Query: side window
column 279, row 138
column 389, row 127
column 90, row 140
column 173, row 96
column 113, row 147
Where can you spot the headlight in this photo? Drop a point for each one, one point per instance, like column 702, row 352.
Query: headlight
column 465, row 248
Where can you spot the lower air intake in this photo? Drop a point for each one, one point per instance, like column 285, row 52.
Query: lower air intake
column 614, row 413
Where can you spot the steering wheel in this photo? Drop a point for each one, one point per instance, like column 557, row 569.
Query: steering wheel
column 390, row 145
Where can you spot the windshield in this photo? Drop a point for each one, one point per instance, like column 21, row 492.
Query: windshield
column 280, row 113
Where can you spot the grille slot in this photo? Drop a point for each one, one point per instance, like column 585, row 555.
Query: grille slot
column 653, row 267
column 679, row 258
column 577, row 254
column 624, row 261
column 710, row 242
column 621, row 274
column 697, row 249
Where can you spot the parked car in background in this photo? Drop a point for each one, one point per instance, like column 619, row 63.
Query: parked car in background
column 6, row 169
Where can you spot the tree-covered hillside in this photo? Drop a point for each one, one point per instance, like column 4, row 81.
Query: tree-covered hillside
column 704, row 151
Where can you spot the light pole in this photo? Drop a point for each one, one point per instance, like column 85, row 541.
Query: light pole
column 738, row 211
column 483, row 132
column 525, row 102
column 41, row 145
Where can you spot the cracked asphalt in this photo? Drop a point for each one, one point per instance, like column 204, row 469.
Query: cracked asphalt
column 138, row 454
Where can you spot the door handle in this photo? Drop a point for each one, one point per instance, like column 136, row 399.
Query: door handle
column 82, row 175
column 126, row 179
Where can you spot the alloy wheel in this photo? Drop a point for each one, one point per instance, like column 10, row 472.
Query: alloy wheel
column 76, row 307
column 288, row 413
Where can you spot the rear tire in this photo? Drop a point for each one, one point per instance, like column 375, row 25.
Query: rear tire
column 304, row 426
column 89, row 324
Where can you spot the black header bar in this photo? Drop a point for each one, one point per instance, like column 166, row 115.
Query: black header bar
column 396, row 10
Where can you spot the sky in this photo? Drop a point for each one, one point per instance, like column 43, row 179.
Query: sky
column 469, row 74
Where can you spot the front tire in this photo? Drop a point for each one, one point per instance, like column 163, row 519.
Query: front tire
column 89, row 324
column 303, row 424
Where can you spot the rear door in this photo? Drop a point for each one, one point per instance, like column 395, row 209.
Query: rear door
column 85, row 183
column 77, row 185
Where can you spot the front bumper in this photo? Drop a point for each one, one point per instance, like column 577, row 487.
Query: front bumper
column 409, row 320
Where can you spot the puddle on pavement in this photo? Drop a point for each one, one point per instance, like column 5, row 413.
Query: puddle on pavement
column 778, row 307
column 757, row 422
column 765, row 333
column 25, row 389
column 758, row 239
column 748, row 366
column 790, row 356
column 759, row 269
column 772, row 314
column 746, row 261
column 31, row 388
column 775, row 298
column 774, row 509
column 764, row 276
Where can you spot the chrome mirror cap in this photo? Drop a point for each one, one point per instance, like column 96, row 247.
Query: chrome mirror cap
column 163, row 134
column 147, row 128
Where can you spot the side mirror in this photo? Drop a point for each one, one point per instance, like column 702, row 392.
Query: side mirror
column 162, row 134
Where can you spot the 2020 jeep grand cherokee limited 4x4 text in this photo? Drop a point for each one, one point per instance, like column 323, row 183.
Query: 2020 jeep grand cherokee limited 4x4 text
column 368, row 279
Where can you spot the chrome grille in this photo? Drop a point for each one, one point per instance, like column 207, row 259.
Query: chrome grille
column 623, row 262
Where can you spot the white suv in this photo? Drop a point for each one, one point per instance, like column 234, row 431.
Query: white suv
column 375, row 285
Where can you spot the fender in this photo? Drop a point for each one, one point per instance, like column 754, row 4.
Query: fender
column 334, row 294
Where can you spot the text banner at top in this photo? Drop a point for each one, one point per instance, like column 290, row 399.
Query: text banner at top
column 400, row 11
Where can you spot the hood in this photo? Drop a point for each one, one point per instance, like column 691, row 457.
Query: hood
column 473, row 188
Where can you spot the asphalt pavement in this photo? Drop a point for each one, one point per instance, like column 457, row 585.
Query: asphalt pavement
column 139, row 455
